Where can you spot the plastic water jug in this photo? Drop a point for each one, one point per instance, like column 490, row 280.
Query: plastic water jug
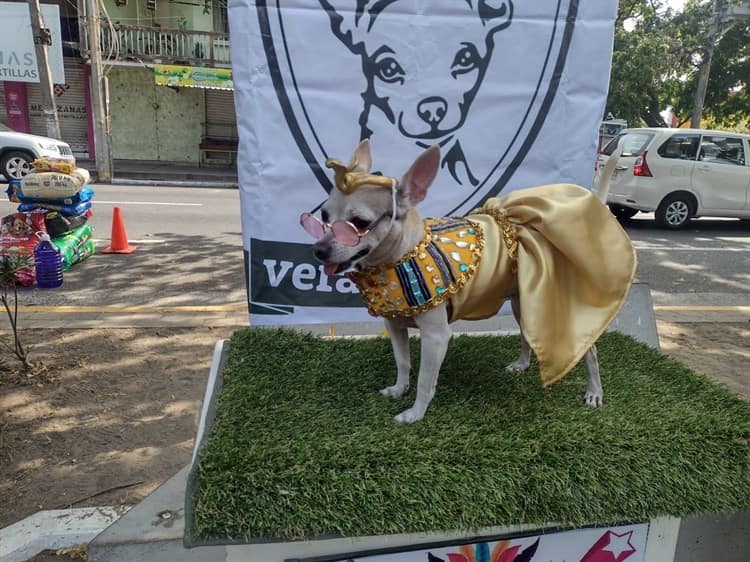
column 48, row 264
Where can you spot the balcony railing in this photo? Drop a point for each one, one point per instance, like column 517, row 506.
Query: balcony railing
column 155, row 44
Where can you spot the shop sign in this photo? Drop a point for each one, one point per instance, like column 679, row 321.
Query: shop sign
column 193, row 77
column 17, row 54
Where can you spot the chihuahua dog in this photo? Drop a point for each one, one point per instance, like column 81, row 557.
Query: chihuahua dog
column 396, row 79
column 421, row 274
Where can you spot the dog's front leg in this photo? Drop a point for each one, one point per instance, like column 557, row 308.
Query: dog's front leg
column 400, row 342
column 435, row 335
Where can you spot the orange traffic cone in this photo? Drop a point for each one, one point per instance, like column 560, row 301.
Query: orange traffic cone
column 119, row 241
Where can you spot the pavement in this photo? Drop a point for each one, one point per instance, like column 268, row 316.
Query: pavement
column 146, row 172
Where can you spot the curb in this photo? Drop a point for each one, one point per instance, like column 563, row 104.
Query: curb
column 54, row 529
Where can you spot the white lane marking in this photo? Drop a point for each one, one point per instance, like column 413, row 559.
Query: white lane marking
column 688, row 248
column 145, row 241
column 98, row 202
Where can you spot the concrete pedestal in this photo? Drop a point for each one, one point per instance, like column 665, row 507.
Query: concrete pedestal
column 154, row 529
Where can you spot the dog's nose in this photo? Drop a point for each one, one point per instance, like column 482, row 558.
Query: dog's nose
column 432, row 110
column 321, row 253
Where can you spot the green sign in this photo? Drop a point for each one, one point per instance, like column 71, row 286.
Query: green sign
column 193, row 77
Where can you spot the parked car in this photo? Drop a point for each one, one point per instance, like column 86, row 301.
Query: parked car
column 679, row 174
column 19, row 150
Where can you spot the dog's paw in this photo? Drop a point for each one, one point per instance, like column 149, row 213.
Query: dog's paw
column 395, row 391
column 409, row 416
column 517, row 366
column 593, row 399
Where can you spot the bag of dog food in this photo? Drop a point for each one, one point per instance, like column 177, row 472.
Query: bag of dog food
column 59, row 225
column 14, row 187
column 86, row 194
column 19, row 235
column 62, row 164
column 53, row 185
column 75, row 246
column 67, row 210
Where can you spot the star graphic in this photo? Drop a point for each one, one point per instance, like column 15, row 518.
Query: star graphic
column 619, row 544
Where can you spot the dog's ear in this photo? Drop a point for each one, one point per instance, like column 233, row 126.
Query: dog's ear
column 351, row 22
column 495, row 14
column 362, row 157
column 420, row 176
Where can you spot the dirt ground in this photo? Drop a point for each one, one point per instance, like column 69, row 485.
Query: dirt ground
column 116, row 412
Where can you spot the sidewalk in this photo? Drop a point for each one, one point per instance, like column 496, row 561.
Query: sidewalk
column 151, row 172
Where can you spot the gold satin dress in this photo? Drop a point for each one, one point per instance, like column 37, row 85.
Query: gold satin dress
column 573, row 262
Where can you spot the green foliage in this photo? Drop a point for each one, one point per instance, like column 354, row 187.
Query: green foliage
column 304, row 446
column 656, row 65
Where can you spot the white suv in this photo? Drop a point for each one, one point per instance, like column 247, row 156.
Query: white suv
column 18, row 150
column 679, row 174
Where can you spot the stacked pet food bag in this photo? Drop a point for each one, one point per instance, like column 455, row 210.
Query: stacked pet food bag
column 54, row 199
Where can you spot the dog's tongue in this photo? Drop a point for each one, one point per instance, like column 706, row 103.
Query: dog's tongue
column 331, row 268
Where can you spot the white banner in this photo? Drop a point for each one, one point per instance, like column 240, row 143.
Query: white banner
column 512, row 90
column 626, row 543
column 17, row 53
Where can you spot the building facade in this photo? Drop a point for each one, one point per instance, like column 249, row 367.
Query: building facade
column 180, row 121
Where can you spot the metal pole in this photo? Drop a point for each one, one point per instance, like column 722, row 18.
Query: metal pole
column 102, row 141
column 700, row 94
column 42, row 39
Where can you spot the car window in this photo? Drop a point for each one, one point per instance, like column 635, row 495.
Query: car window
column 633, row 144
column 680, row 146
column 722, row 150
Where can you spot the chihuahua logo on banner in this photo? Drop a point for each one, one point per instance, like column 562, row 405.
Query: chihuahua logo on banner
column 512, row 91
column 426, row 73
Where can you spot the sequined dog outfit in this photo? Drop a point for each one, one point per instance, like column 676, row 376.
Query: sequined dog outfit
column 573, row 262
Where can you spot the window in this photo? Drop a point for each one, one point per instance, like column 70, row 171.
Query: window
column 633, row 144
column 221, row 20
column 722, row 150
column 680, row 146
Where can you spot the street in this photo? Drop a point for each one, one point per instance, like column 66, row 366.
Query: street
column 190, row 254
column 189, row 251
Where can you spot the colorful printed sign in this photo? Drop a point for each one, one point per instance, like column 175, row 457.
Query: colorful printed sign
column 614, row 544
column 512, row 91
column 193, row 77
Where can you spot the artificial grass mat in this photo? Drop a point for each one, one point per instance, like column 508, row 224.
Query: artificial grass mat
column 304, row 446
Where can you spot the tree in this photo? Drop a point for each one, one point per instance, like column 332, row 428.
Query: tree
column 655, row 65
column 639, row 61
column 10, row 265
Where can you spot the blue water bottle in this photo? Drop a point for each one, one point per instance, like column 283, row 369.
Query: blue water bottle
column 48, row 263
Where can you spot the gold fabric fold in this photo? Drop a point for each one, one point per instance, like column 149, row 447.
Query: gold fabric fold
column 575, row 266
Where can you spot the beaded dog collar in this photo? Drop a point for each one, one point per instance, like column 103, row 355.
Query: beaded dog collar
column 429, row 275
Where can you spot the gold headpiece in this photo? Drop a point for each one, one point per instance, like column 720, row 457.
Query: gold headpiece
column 348, row 180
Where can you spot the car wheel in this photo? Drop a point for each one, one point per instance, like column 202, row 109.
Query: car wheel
column 675, row 211
column 15, row 165
column 622, row 212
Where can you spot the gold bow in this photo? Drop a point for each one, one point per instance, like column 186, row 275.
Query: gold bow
column 348, row 180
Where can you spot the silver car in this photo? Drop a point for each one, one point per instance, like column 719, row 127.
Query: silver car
column 19, row 150
column 679, row 174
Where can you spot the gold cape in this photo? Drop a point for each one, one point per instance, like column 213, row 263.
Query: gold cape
column 573, row 262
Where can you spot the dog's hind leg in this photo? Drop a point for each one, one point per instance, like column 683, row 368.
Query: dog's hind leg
column 524, row 359
column 400, row 343
column 594, row 392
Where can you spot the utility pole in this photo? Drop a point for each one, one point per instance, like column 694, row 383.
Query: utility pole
column 102, row 140
column 42, row 40
column 708, row 52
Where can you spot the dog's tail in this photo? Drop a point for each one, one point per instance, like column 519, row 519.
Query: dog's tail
column 605, row 175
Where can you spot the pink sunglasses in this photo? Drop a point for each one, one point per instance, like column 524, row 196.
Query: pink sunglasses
column 343, row 231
